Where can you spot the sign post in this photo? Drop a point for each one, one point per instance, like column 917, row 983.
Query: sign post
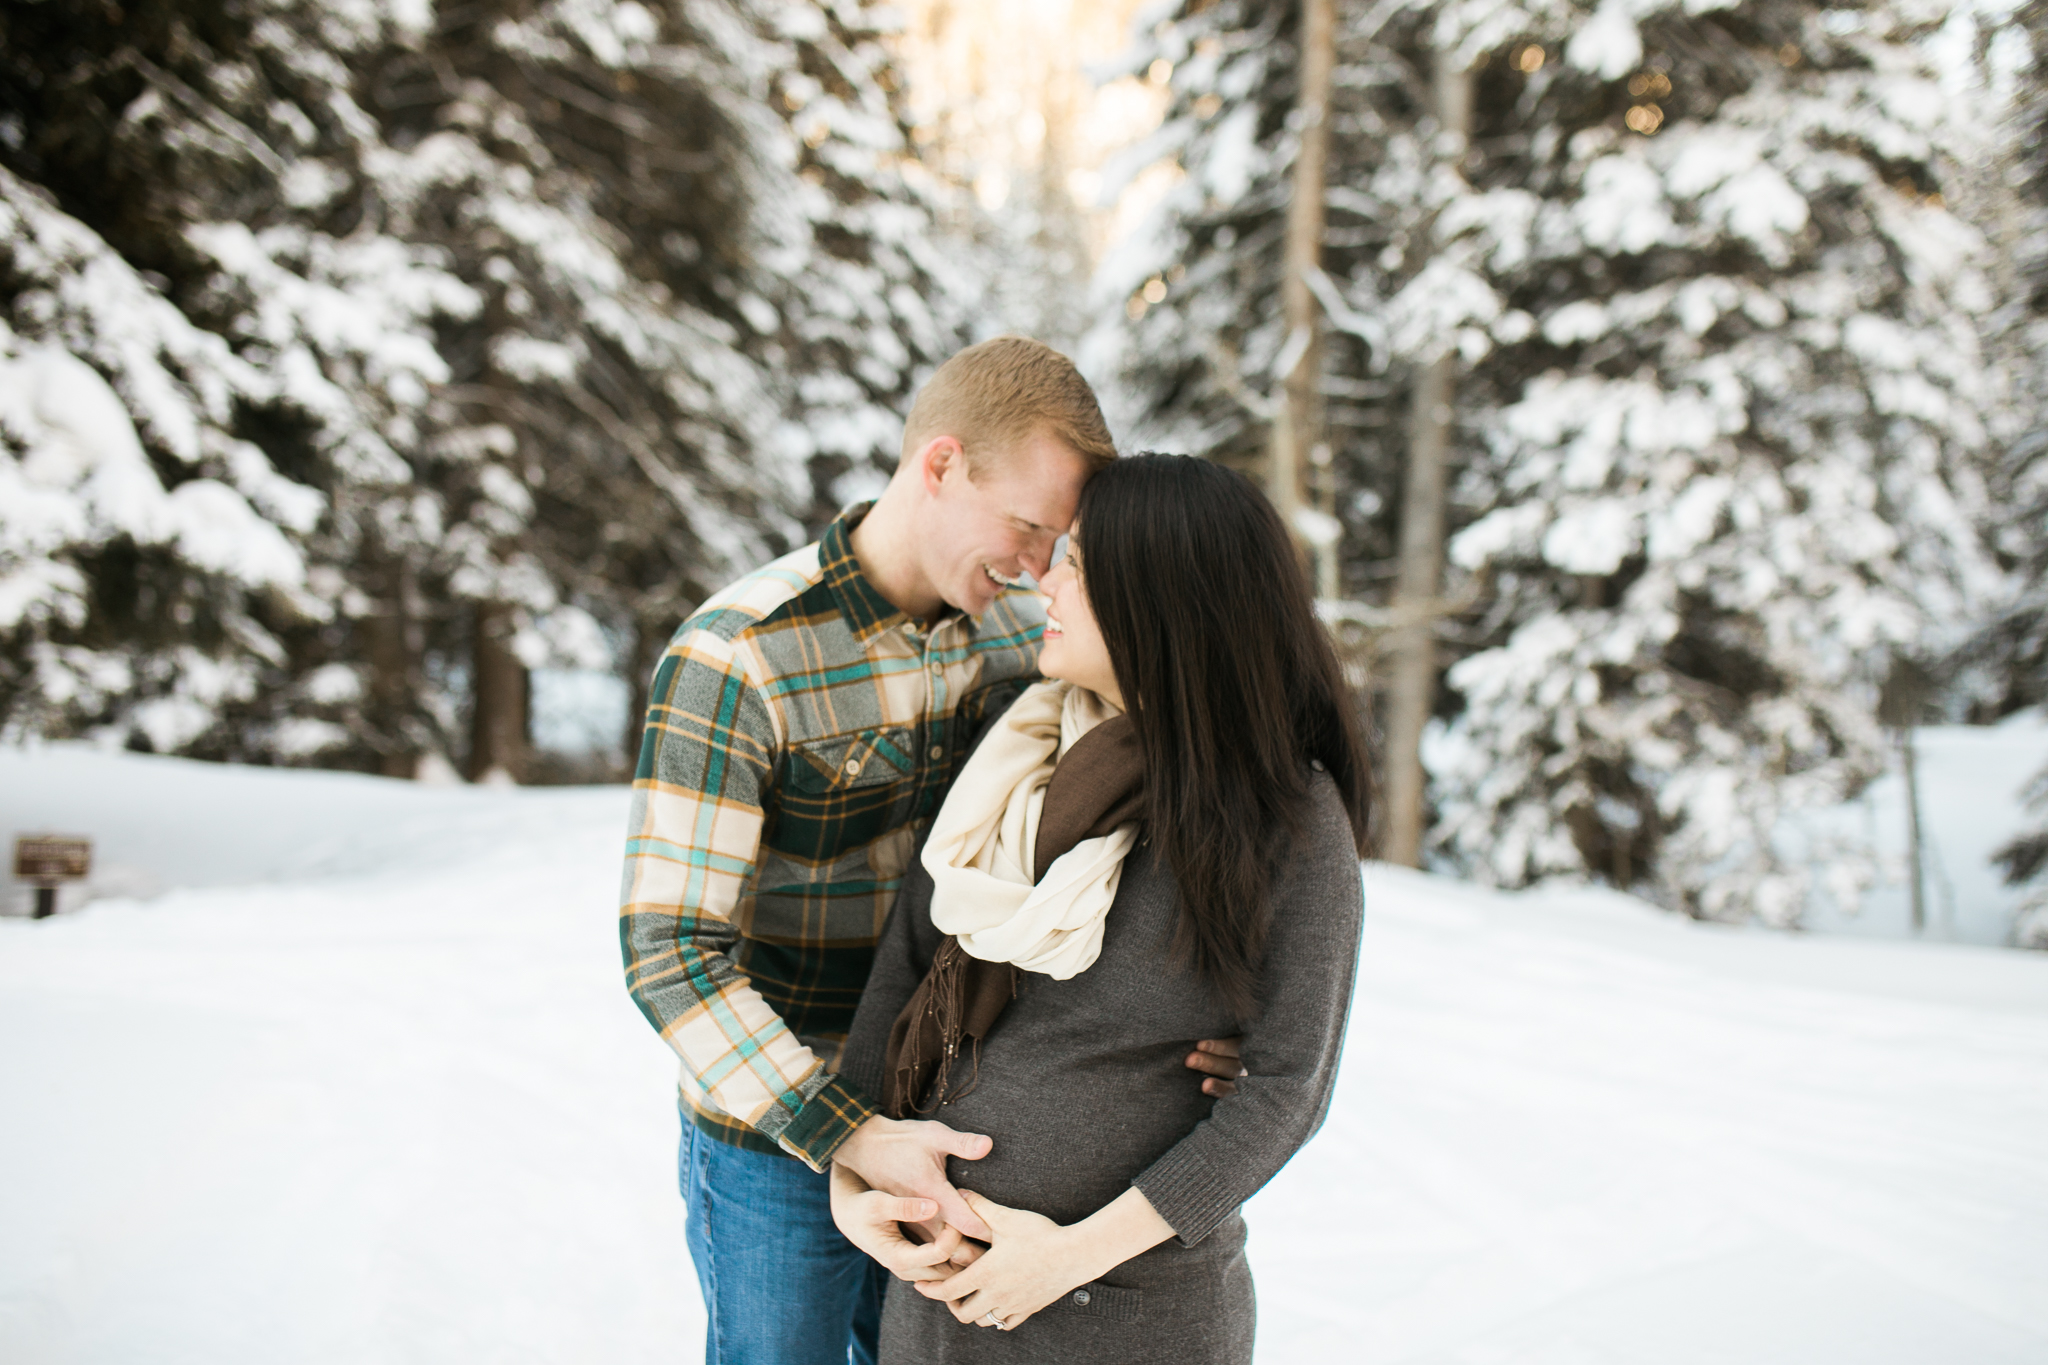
column 50, row 859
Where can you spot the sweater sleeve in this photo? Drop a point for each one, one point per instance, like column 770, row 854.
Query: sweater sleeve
column 1291, row 1050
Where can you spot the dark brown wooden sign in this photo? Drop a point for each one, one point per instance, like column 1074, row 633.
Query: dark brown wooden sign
column 51, row 858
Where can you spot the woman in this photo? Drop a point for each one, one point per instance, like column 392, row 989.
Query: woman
column 1159, row 843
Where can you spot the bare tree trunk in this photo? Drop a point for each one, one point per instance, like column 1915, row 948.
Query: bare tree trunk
column 390, row 691
column 497, row 749
column 1914, row 841
column 648, row 640
column 1902, row 701
column 388, row 647
column 1297, row 436
column 1412, row 688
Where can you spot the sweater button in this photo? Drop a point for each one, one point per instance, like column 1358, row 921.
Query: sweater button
column 1081, row 1297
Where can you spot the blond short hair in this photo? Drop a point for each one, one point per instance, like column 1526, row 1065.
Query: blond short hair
column 994, row 396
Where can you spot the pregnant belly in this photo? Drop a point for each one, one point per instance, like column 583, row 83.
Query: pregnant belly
column 1070, row 1131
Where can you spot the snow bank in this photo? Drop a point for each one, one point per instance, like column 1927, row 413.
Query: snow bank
column 387, row 1101
column 165, row 823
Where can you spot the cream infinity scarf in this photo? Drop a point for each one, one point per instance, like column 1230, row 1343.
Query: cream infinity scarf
column 980, row 852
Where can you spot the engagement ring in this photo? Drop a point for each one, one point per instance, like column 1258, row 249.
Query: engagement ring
column 991, row 1320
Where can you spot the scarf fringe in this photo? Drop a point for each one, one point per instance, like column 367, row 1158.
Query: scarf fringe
column 954, row 1007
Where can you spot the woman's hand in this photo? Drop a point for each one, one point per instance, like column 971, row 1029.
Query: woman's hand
column 1032, row 1261
column 873, row 1222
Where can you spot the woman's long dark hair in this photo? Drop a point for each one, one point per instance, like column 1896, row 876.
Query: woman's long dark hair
column 1234, row 687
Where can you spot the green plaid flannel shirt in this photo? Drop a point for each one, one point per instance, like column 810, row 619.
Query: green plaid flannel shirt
column 800, row 732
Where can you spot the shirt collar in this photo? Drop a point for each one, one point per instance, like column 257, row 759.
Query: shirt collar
column 867, row 612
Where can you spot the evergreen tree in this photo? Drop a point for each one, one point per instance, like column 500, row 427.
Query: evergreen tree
column 1736, row 464
column 122, row 600
column 2009, row 659
column 521, row 325
column 1187, row 353
column 596, row 454
column 867, row 295
column 153, row 135
column 1719, row 427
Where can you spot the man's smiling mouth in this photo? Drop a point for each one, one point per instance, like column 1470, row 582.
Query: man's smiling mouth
column 997, row 578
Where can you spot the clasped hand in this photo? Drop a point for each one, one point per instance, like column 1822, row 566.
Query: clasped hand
column 1030, row 1262
column 891, row 1198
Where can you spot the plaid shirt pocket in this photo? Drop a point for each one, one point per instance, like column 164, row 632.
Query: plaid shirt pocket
column 839, row 795
column 851, row 763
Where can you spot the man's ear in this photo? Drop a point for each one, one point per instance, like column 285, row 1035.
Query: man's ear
column 940, row 456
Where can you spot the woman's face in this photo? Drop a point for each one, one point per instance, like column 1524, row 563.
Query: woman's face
column 1073, row 648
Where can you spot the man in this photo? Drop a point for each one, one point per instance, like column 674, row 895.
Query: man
column 803, row 726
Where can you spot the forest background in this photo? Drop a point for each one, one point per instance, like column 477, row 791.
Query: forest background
column 1657, row 389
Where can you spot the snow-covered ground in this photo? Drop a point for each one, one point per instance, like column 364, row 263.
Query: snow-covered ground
column 358, row 1083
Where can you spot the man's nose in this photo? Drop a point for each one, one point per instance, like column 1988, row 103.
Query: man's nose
column 1038, row 560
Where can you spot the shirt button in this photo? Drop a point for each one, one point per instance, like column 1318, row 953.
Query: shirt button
column 1081, row 1297
column 938, row 751
column 853, row 767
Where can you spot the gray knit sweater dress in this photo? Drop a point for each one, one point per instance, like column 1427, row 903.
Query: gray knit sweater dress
column 1083, row 1089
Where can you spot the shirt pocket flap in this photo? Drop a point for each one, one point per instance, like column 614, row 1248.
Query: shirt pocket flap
column 871, row 758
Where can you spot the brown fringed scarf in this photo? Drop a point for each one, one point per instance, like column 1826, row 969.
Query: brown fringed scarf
column 1098, row 785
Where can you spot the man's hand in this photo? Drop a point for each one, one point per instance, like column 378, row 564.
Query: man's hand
column 873, row 1222
column 907, row 1157
column 1217, row 1058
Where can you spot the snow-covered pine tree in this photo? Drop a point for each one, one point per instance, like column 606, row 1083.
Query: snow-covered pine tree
column 1719, row 404
column 1191, row 338
column 2009, row 659
column 125, row 603
column 1191, row 334
column 598, row 456
column 1735, row 462
column 866, row 294
column 140, row 147
column 709, row 293
column 521, row 298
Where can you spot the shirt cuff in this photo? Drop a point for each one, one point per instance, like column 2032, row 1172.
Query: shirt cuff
column 826, row 1120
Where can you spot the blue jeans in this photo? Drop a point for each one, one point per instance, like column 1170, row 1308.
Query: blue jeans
column 781, row 1285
